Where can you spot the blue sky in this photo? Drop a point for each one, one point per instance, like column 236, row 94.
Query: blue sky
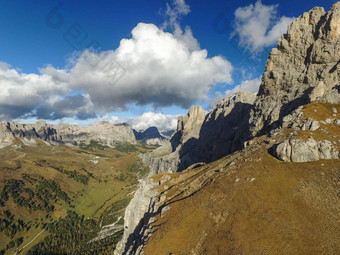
column 180, row 53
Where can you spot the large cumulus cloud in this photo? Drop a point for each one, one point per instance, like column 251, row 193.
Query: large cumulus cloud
column 21, row 94
column 152, row 67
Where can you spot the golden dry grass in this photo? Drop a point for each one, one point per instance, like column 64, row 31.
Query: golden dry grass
column 255, row 205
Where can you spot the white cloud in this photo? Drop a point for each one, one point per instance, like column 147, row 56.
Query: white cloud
column 22, row 93
column 149, row 119
column 247, row 85
column 153, row 67
column 186, row 37
column 174, row 12
column 58, row 107
column 258, row 26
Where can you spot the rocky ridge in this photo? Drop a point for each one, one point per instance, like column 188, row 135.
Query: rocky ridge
column 137, row 218
column 105, row 133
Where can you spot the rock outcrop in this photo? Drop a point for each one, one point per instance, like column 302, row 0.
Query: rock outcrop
column 222, row 132
column 105, row 133
column 299, row 150
column 303, row 68
column 160, row 163
column 137, row 217
column 188, row 126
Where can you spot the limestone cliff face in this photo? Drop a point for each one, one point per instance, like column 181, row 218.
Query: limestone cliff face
column 137, row 219
column 224, row 129
column 104, row 132
column 303, row 68
column 202, row 138
column 189, row 126
column 166, row 158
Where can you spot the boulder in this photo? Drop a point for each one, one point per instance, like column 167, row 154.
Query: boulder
column 299, row 150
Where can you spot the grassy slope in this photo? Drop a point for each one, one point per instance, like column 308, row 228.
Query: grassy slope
column 255, row 205
column 91, row 200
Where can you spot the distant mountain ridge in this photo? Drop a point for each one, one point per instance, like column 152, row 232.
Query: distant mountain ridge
column 105, row 133
column 167, row 133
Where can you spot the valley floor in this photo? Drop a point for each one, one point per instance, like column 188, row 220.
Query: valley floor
column 58, row 198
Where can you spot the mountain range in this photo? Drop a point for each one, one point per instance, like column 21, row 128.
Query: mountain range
column 258, row 174
column 105, row 133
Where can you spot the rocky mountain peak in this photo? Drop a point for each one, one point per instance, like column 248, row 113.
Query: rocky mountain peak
column 303, row 68
column 153, row 131
column 189, row 125
column 150, row 136
column 202, row 138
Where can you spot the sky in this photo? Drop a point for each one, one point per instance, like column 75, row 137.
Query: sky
column 143, row 62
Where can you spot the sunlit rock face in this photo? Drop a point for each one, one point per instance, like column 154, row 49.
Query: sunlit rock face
column 303, row 68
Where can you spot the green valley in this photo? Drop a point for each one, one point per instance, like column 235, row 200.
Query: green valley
column 56, row 199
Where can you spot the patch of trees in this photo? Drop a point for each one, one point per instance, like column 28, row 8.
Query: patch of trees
column 75, row 175
column 125, row 147
column 10, row 226
column 45, row 194
column 92, row 145
column 112, row 213
column 89, row 174
column 72, row 235
column 14, row 243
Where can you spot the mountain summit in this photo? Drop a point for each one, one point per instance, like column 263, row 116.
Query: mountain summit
column 150, row 136
column 303, row 68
